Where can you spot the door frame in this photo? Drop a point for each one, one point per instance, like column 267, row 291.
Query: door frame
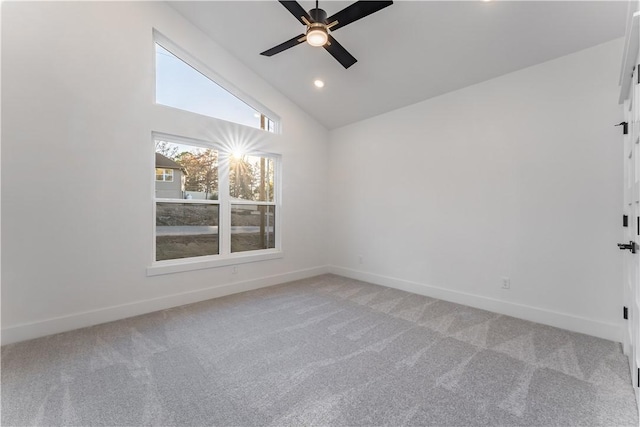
column 630, row 99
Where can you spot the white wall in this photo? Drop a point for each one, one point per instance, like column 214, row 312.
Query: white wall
column 77, row 115
column 519, row 176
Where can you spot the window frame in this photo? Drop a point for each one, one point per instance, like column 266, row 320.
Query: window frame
column 199, row 66
column 224, row 257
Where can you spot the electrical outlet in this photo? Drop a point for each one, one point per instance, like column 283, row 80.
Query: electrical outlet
column 506, row 283
column 360, row 259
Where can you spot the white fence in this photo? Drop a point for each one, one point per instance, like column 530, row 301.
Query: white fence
column 197, row 195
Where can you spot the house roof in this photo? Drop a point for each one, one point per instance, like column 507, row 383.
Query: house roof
column 165, row 162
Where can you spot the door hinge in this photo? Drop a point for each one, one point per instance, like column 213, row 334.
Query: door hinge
column 625, row 313
column 631, row 246
column 625, row 221
column 625, row 127
column 638, row 383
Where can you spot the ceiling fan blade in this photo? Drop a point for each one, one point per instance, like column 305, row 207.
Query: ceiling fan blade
column 296, row 10
column 357, row 10
column 284, row 46
column 340, row 53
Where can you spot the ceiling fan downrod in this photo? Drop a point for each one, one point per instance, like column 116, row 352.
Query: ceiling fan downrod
column 318, row 15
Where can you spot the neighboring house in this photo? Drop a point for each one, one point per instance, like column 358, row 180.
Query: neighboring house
column 170, row 178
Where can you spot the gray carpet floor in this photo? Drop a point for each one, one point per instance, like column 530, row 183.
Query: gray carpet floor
column 321, row 351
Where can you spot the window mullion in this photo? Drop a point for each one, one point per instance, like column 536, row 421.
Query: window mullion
column 225, row 205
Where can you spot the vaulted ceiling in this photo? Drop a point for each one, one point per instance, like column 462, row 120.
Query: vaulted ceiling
column 407, row 52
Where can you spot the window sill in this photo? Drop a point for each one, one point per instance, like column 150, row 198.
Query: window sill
column 180, row 265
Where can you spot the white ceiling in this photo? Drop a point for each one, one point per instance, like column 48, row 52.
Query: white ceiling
column 407, row 52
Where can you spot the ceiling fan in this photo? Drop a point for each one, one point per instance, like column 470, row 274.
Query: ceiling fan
column 319, row 27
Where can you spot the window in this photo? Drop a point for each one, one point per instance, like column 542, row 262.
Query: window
column 221, row 204
column 252, row 202
column 187, row 214
column 181, row 85
column 212, row 206
column 164, row 175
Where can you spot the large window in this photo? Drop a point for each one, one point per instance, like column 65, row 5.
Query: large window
column 213, row 205
column 218, row 204
column 182, row 86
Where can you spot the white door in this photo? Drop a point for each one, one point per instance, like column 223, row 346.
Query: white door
column 632, row 230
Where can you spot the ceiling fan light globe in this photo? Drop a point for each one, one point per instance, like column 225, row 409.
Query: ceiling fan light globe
column 317, row 37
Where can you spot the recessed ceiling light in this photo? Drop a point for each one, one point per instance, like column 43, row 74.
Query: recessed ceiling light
column 318, row 83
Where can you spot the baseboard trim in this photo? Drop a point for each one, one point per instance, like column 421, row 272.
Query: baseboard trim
column 27, row 331
column 609, row 331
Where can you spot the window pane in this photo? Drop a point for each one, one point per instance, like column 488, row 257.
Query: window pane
column 181, row 86
column 186, row 230
column 251, row 178
column 252, row 227
column 192, row 172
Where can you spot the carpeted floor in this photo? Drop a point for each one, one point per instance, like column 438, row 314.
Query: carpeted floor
column 321, row 351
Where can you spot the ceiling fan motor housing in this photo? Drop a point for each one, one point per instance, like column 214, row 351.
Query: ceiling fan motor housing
column 318, row 15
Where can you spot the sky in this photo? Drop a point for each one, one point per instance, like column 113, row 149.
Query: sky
column 180, row 86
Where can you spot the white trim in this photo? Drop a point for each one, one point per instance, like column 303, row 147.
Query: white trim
column 185, row 140
column 153, row 204
column 198, row 263
column 630, row 55
column 609, row 331
column 250, row 202
column 56, row 325
column 187, row 201
column 70, row 322
column 224, row 236
column 632, row 8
